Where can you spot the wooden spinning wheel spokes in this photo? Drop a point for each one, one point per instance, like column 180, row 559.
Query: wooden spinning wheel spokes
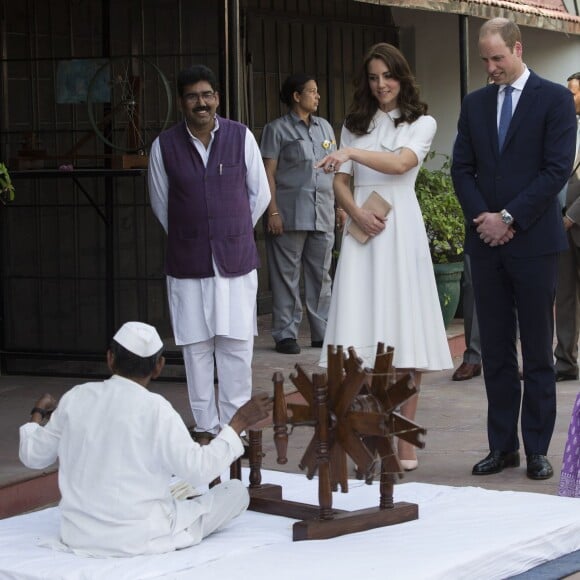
column 129, row 103
column 362, row 419
column 353, row 412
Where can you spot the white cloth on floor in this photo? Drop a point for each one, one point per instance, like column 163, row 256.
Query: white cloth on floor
column 456, row 536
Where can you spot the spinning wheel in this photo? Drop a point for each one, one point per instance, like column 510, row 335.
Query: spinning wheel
column 362, row 418
column 354, row 414
column 129, row 104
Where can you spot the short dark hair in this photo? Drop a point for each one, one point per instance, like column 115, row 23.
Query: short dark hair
column 507, row 29
column 293, row 84
column 574, row 77
column 128, row 364
column 195, row 74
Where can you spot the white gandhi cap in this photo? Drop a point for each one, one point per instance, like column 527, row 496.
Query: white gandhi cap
column 139, row 338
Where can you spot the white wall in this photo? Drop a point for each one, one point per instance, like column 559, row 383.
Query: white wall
column 431, row 40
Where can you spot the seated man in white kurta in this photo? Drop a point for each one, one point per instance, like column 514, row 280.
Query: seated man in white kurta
column 118, row 446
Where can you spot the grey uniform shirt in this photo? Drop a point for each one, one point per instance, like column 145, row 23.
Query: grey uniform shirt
column 304, row 195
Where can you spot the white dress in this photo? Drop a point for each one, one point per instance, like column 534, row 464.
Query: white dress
column 384, row 290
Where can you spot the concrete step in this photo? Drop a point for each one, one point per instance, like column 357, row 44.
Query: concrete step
column 30, row 494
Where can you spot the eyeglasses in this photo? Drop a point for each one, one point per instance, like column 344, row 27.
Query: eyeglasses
column 206, row 96
column 311, row 91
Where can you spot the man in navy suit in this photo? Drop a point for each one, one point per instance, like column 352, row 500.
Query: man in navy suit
column 509, row 163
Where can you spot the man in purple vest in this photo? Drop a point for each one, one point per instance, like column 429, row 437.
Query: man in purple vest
column 208, row 188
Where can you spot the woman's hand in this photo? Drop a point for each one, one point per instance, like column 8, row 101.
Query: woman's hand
column 568, row 223
column 369, row 222
column 275, row 225
column 332, row 162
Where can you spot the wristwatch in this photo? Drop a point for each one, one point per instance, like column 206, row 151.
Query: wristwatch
column 506, row 217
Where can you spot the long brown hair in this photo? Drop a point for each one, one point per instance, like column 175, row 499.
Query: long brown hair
column 364, row 104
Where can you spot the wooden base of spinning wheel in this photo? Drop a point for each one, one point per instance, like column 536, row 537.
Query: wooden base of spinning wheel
column 268, row 499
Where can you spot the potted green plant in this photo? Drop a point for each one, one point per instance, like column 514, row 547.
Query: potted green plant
column 445, row 227
column 6, row 187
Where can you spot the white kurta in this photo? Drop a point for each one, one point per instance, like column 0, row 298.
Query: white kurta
column 384, row 290
column 206, row 307
column 118, row 445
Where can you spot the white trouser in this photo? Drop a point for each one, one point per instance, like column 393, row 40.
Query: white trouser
column 228, row 500
column 234, row 370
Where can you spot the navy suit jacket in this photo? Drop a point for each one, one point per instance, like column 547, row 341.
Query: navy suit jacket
column 526, row 176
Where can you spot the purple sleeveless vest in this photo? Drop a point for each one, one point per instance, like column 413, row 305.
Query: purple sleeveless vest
column 208, row 208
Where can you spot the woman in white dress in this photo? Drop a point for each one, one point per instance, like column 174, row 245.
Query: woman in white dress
column 384, row 290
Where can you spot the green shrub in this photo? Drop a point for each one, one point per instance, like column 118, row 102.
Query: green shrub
column 6, row 187
column 442, row 213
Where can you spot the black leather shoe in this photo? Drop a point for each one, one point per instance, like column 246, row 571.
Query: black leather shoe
column 560, row 376
column 288, row 346
column 495, row 462
column 316, row 344
column 539, row 467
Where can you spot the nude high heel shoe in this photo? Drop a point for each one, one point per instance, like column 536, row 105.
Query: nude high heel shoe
column 409, row 464
column 404, row 448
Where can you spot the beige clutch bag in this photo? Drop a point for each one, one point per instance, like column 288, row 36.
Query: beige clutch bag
column 377, row 205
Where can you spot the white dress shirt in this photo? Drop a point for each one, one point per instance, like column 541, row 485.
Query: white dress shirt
column 518, row 86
